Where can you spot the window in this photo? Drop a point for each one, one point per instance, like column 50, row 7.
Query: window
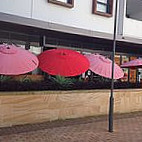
column 133, row 72
column 66, row 3
column 125, row 70
column 103, row 7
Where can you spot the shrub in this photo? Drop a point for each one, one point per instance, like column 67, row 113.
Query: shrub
column 62, row 82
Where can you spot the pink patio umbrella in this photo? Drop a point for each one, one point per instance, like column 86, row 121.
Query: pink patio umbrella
column 15, row 60
column 137, row 63
column 103, row 66
column 63, row 62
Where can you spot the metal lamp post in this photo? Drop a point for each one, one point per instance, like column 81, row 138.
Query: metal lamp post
column 111, row 102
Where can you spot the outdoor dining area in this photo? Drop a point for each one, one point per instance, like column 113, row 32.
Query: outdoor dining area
column 63, row 65
column 64, row 91
column 60, row 68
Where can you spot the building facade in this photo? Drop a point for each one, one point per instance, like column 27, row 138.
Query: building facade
column 86, row 26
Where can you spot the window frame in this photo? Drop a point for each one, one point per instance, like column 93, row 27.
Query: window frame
column 109, row 8
column 69, row 4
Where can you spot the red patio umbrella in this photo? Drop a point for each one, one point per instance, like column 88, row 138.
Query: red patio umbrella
column 137, row 63
column 15, row 60
column 63, row 62
column 103, row 66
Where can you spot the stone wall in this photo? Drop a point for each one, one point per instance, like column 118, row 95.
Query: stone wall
column 31, row 107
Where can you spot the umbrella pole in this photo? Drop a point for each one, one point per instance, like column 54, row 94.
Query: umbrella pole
column 111, row 101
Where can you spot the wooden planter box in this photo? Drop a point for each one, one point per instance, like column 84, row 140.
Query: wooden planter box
column 28, row 77
column 39, row 106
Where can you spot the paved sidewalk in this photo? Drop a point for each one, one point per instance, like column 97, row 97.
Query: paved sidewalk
column 127, row 128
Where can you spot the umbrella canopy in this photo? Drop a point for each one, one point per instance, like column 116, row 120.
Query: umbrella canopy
column 137, row 63
column 15, row 60
column 63, row 62
column 103, row 66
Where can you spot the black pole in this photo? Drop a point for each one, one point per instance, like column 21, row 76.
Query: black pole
column 42, row 40
column 111, row 104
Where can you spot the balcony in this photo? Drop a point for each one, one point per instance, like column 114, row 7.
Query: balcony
column 132, row 24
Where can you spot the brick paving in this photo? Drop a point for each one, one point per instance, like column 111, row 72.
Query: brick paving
column 127, row 128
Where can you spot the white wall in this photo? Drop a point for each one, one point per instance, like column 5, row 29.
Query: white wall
column 16, row 7
column 132, row 28
column 80, row 16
